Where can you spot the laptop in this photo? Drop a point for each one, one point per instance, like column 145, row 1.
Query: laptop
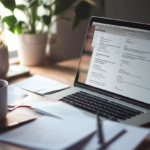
column 112, row 78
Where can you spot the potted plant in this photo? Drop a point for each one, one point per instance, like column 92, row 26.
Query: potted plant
column 4, row 65
column 32, row 41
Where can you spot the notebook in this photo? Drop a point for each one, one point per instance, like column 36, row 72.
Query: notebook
column 112, row 78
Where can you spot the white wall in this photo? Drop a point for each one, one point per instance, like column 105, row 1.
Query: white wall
column 133, row 10
column 67, row 44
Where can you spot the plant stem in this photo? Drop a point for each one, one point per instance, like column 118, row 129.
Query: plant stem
column 33, row 19
column 1, row 31
column 28, row 14
column 1, row 42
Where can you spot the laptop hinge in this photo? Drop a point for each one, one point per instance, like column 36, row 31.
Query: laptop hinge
column 127, row 100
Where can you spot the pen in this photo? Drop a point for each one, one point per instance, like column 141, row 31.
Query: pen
column 105, row 145
column 101, row 136
column 100, row 131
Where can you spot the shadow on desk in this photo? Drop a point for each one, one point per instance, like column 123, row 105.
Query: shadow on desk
column 80, row 145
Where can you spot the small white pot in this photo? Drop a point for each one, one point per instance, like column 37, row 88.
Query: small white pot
column 31, row 49
column 4, row 64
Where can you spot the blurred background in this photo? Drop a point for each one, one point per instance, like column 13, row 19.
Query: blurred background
column 69, row 43
column 63, row 43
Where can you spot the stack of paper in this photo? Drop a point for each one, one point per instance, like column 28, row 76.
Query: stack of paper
column 41, row 85
column 68, row 128
column 81, row 134
column 75, row 116
column 49, row 133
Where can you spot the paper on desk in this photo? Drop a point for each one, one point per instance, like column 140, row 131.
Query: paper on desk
column 49, row 133
column 70, row 113
column 41, row 85
column 15, row 95
column 59, row 109
column 128, row 141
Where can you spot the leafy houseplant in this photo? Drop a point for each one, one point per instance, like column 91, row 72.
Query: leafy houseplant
column 53, row 9
column 3, row 54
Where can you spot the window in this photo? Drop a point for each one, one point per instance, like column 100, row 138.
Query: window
column 11, row 39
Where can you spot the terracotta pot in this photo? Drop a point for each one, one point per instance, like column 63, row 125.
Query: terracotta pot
column 4, row 61
column 31, row 49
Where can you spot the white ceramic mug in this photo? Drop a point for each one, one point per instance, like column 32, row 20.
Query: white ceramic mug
column 3, row 99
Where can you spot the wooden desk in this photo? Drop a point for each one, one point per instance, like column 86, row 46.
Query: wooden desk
column 63, row 72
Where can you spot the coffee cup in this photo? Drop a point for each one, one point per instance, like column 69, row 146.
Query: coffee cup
column 3, row 99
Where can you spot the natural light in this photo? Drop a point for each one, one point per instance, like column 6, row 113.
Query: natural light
column 10, row 38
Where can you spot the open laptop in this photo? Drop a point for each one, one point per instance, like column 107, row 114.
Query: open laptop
column 112, row 79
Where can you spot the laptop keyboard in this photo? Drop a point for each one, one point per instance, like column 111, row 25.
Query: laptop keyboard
column 97, row 105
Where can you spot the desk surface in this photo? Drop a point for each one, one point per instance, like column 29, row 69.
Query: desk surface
column 63, row 72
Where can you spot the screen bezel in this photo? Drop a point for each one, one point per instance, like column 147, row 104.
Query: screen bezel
column 101, row 91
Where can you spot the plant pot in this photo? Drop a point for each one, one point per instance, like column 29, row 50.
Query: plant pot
column 4, row 62
column 31, row 49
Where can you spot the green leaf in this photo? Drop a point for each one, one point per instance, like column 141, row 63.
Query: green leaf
column 33, row 3
column 91, row 2
column 10, row 4
column 38, row 18
column 12, row 28
column 0, row 22
column 28, row 1
column 76, row 23
column 82, row 10
column 43, row 2
column 9, row 20
column 46, row 19
column 20, row 26
column 36, row 3
column 62, row 5
column 21, row 7
column 19, row 30
column 47, row 6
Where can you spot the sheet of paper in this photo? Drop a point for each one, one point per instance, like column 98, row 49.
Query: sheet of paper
column 129, row 141
column 69, row 113
column 59, row 109
column 15, row 95
column 41, row 85
column 42, row 130
column 49, row 133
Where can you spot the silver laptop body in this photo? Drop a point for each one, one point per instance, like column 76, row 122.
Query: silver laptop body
column 115, row 65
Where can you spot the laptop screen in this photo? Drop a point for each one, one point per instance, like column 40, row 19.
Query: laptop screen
column 117, row 59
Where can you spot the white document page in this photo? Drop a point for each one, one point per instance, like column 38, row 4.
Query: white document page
column 128, row 141
column 58, row 109
column 15, row 95
column 50, row 133
column 41, row 85
column 120, row 63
